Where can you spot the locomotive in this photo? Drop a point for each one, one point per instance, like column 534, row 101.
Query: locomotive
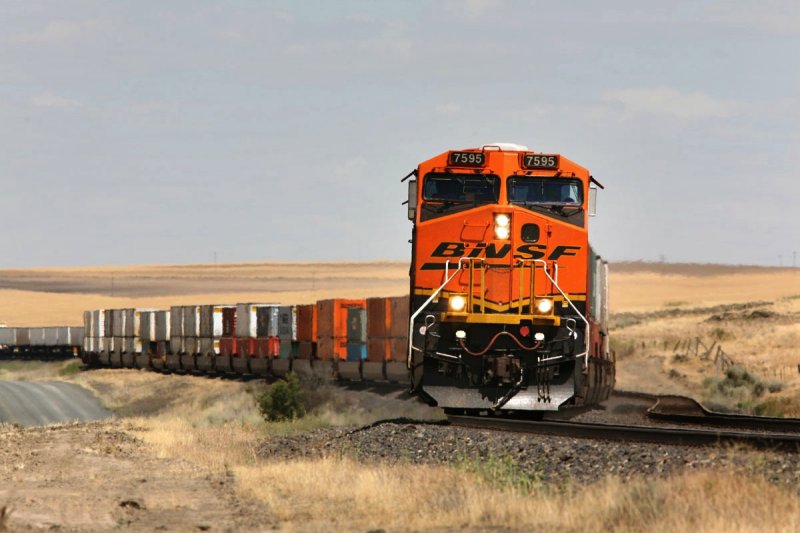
column 508, row 301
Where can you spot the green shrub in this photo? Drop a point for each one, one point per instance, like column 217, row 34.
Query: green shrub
column 70, row 369
column 503, row 473
column 738, row 384
column 283, row 400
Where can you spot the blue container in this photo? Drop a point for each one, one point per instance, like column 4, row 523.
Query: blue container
column 356, row 351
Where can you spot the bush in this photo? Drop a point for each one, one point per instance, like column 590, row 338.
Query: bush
column 738, row 384
column 70, row 369
column 283, row 400
column 775, row 386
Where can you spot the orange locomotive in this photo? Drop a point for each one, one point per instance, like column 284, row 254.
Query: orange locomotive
column 508, row 300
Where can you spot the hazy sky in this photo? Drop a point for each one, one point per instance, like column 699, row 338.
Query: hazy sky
column 150, row 132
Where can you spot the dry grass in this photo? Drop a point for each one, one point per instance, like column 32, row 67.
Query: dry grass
column 35, row 370
column 57, row 296
column 638, row 291
column 215, row 424
column 767, row 347
column 341, row 494
column 310, row 495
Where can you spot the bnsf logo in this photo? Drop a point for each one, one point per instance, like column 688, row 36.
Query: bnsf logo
column 491, row 251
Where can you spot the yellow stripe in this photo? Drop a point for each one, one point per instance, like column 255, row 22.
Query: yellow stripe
column 495, row 306
column 510, row 318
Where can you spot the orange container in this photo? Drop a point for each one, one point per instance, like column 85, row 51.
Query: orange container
column 398, row 349
column 306, row 350
column 379, row 312
column 378, row 349
column 398, row 320
column 307, row 323
column 332, row 316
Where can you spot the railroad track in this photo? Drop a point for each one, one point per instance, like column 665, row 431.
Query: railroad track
column 652, row 434
column 701, row 426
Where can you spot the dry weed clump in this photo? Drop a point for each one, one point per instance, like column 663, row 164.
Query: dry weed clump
column 345, row 495
column 738, row 385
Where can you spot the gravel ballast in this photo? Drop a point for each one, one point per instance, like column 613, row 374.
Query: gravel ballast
column 553, row 460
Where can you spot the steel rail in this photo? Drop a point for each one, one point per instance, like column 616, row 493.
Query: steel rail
column 682, row 409
column 675, row 436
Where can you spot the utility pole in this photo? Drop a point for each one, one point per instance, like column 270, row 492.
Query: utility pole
column 780, row 260
column 794, row 259
column 112, row 285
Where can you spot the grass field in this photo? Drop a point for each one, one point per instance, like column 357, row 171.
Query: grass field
column 57, row 296
column 655, row 307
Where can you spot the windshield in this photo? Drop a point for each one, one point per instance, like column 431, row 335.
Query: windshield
column 461, row 188
column 545, row 191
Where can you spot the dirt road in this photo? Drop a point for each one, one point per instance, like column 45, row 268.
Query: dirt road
column 96, row 477
column 47, row 402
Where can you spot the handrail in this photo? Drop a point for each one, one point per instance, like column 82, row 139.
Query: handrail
column 447, row 279
column 566, row 298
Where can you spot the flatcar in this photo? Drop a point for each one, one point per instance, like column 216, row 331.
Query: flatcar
column 508, row 307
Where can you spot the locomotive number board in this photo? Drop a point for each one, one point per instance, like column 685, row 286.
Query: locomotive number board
column 466, row 159
column 539, row 161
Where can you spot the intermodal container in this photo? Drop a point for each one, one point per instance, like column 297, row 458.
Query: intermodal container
column 107, row 322
column 398, row 349
column 23, row 337
column 8, row 336
column 356, row 351
column 378, row 348
column 129, row 322
column 36, row 336
column 176, row 321
column 87, row 322
column 332, row 316
column 287, row 324
column 74, row 336
column 399, row 316
column 191, row 321
column 267, row 321
column 378, row 313
column 50, row 337
column 228, row 320
column 306, row 316
column 356, row 324
column 163, row 331
column 247, row 319
column 117, row 322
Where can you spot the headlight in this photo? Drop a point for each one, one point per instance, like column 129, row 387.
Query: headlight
column 502, row 220
column 544, row 306
column 457, row 303
column 502, row 226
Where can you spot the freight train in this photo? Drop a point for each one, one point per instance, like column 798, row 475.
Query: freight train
column 335, row 338
column 507, row 312
column 40, row 342
column 509, row 302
